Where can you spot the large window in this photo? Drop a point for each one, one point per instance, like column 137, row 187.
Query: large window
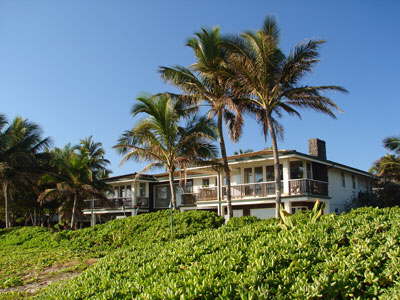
column 248, row 175
column 270, row 173
column 296, row 170
column 162, row 196
column 258, row 174
column 142, row 189
column 206, row 182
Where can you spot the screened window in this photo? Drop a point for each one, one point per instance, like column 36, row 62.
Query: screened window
column 258, row 174
column 270, row 173
column 128, row 191
column 142, row 189
column 248, row 175
column 296, row 170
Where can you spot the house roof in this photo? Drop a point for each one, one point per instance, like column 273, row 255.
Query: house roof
column 266, row 153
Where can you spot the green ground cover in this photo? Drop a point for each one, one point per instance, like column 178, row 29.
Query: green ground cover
column 354, row 255
column 34, row 254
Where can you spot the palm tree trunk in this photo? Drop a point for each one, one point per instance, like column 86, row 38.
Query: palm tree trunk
column 5, row 192
column 172, row 189
column 73, row 211
column 277, row 169
column 226, row 166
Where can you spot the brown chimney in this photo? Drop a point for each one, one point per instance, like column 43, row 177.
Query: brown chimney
column 317, row 147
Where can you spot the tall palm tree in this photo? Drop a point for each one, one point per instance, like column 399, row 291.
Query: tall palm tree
column 96, row 155
column 387, row 167
column 271, row 81
column 73, row 180
column 161, row 140
column 205, row 82
column 392, row 143
column 21, row 145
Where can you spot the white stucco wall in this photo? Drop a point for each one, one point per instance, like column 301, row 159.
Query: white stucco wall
column 340, row 195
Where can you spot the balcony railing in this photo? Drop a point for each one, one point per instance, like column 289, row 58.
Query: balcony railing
column 116, row 203
column 308, row 187
column 266, row 189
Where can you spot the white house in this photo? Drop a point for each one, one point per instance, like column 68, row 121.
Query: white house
column 305, row 179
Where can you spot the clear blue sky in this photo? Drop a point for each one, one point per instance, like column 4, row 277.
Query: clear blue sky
column 76, row 66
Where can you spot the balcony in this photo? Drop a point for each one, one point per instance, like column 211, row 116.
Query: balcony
column 266, row 189
column 116, row 203
column 308, row 187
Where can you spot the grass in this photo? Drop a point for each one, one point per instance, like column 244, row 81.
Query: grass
column 350, row 256
column 34, row 255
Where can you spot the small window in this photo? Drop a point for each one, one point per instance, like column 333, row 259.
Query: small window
column 353, row 180
column 270, row 173
column 142, row 189
column 296, row 170
column 343, row 180
column 206, row 182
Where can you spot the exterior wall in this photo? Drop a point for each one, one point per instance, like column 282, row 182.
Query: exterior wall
column 340, row 195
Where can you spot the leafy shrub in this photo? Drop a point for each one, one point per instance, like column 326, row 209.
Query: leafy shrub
column 242, row 221
column 354, row 255
column 27, row 251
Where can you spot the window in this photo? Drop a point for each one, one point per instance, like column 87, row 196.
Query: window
column 343, row 179
column 258, row 174
column 296, row 170
column 309, row 171
column 270, row 173
column 206, row 182
column 353, row 180
column 128, row 191
column 142, row 189
column 248, row 175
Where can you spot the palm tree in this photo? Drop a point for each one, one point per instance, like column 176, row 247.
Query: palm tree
column 96, row 155
column 392, row 143
column 271, row 81
column 241, row 151
column 161, row 140
column 387, row 167
column 205, row 82
column 21, row 145
column 72, row 181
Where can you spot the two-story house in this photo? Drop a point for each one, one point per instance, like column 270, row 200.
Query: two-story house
column 305, row 179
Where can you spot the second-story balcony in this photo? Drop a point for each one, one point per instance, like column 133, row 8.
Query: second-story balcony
column 296, row 187
column 120, row 203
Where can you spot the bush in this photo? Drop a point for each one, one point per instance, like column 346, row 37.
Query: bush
column 242, row 221
column 354, row 255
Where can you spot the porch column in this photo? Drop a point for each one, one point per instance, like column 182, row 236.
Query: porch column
column 218, row 179
column 286, row 176
column 134, row 198
column 92, row 219
column 288, row 206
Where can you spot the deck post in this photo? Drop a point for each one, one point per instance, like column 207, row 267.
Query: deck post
column 134, row 198
column 219, row 193
column 286, row 176
column 288, row 206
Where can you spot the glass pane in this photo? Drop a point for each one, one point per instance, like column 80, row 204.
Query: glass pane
column 258, row 174
column 296, row 170
column 270, row 173
column 128, row 191
column 248, row 175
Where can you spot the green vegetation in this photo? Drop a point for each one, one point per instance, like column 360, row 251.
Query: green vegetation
column 29, row 254
column 354, row 255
